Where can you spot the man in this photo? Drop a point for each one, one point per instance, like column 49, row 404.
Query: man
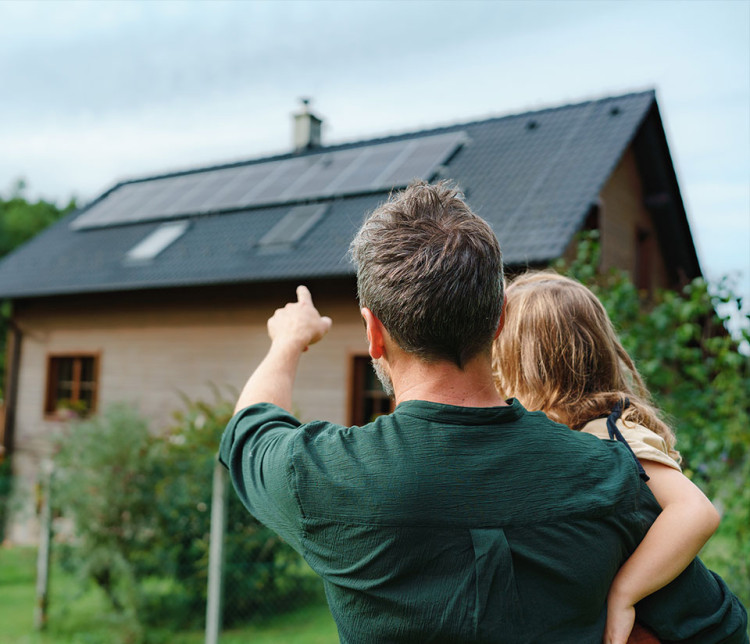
column 459, row 517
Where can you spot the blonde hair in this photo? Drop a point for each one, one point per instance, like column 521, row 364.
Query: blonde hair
column 559, row 353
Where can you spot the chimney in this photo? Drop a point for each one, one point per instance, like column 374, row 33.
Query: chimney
column 306, row 128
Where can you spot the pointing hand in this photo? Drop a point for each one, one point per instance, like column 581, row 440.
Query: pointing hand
column 299, row 322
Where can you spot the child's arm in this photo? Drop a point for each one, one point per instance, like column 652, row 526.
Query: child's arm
column 687, row 521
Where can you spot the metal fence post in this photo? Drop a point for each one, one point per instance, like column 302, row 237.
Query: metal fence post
column 43, row 554
column 216, row 553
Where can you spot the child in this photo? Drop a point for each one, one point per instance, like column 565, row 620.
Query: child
column 558, row 353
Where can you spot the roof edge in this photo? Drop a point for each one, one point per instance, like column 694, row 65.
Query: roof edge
column 384, row 138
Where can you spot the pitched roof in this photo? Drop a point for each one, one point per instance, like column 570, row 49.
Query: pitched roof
column 532, row 176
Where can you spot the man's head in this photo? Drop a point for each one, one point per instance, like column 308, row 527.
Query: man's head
column 431, row 271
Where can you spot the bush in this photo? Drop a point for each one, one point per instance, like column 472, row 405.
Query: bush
column 263, row 574
column 103, row 484
column 140, row 505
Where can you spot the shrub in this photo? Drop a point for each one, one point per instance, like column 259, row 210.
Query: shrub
column 262, row 574
column 140, row 505
column 103, row 484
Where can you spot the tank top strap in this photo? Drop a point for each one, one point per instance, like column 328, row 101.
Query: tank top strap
column 615, row 434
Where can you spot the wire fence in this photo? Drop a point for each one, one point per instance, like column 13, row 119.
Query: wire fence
column 274, row 581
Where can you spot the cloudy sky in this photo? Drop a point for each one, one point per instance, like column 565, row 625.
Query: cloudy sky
column 94, row 92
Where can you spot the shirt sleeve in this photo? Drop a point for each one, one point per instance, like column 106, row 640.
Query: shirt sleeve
column 257, row 448
column 646, row 444
column 695, row 608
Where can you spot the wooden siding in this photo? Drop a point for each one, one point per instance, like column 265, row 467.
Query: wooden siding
column 622, row 215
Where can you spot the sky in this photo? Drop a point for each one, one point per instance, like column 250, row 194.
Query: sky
column 95, row 92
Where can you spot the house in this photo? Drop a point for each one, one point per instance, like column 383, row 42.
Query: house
column 162, row 285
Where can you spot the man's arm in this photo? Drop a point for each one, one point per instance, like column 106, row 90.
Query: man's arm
column 258, row 442
column 687, row 521
column 291, row 329
column 697, row 607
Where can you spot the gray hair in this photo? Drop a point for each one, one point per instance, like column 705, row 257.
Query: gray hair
column 431, row 271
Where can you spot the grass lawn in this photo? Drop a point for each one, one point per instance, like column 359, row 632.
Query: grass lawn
column 77, row 617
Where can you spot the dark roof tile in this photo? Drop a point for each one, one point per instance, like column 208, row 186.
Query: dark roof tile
column 533, row 176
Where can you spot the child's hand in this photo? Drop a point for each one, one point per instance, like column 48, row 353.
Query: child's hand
column 620, row 620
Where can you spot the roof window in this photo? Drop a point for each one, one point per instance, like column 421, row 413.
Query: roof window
column 292, row 227
column 157, row 241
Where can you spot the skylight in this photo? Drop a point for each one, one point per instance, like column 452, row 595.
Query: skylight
column 157, row 241
column 292, row 227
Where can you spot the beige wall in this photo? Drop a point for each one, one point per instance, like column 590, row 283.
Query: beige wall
column 622, row 213
column 152, row 349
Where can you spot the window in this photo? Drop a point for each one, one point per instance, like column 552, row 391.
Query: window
column 368, row 398
column 157, row 241
column 71, row 384
column 291, row 228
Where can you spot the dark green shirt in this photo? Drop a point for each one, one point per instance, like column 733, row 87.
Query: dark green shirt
column 453, row 524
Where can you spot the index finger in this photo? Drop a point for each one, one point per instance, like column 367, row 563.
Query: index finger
column 303, row 295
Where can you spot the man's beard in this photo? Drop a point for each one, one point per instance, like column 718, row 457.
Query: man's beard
column 383, row 376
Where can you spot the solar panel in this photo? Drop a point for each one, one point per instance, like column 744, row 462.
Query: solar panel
column 363, row 175
column 232, row 193
column 417, row 161
column 326, row 174
column 171, row 191
column 120, row 206
column 204, row 189
column 319, row 177
column 288, row 172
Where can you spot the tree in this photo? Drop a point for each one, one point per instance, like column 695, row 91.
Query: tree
column 20, row 220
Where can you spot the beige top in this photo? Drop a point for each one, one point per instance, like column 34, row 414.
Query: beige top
column 646, row 445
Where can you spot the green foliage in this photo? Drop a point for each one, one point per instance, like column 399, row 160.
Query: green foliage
column 21, row 219
column 699, row 377
column 141, row 508
column 265, row 574
column 103, row 482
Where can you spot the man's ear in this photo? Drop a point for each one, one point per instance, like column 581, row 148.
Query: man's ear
column 375, row 333
column 501, row 323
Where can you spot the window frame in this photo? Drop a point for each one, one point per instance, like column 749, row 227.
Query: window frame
column 358, row 363
column 50, row 408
